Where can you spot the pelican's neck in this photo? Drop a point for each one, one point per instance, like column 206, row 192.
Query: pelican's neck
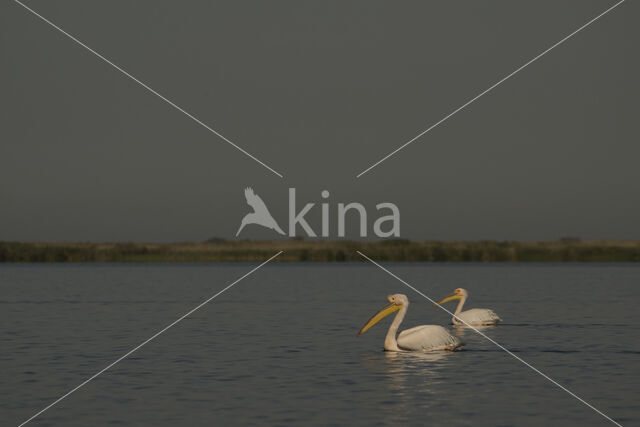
column 390, row 341
column 459, row 310
column 460, row 304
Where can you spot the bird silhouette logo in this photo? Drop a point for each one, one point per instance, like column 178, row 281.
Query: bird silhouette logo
column 260, row 214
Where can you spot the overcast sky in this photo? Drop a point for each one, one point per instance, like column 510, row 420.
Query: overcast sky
column 318, row 91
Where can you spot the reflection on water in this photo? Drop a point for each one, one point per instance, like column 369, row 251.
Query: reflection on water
column 462, row 330
column 418, row 357
column 401, row 366
column 413, row 379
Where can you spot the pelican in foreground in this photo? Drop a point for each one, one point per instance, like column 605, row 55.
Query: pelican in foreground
column 473, row 317
column 420, row 338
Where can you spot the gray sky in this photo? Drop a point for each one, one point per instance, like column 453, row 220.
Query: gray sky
column 319, row 91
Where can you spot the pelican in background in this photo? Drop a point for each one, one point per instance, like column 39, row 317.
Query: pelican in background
column 420, row 338
column 260, row 214
column 473, row 317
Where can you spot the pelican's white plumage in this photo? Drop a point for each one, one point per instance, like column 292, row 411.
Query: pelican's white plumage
column 427, row 338
column 477, row 316
column 420, row 338
column 473, row 317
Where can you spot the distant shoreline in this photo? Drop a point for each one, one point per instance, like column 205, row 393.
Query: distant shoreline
column 396, row 250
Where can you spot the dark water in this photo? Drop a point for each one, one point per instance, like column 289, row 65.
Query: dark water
column 280, row 346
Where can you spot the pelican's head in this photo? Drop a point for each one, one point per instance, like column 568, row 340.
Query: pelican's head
column 396, row 302
column 457, row 294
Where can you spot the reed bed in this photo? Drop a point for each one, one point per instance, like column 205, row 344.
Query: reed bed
column 395, row 250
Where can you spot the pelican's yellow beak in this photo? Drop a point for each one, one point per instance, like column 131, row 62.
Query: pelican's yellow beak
column 387, row 310
column 450, row 297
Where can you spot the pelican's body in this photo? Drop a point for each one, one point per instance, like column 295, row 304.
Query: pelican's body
column 427, row 338
column 420, row 338
column 473, row 317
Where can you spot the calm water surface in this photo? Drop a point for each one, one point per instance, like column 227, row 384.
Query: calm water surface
column 280, row 347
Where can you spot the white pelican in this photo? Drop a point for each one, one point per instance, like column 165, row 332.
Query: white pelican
column 420, row 338
column 473, row 317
